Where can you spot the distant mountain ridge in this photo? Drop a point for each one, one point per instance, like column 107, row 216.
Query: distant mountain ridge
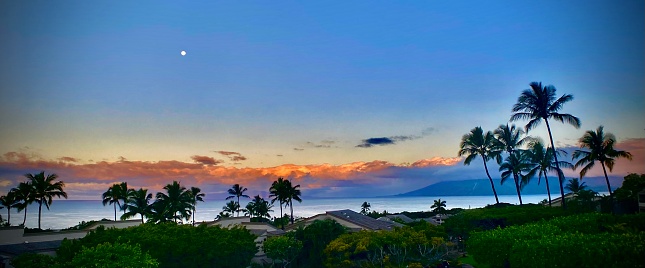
column 482, row 187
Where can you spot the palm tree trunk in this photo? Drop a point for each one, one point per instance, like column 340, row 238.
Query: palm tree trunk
column 142, row 219
column 517, row 187
column 25, row 218
column 238, row 205
column 9, row 215
column 557, row 165
column 281, row 223
column 492, row 185
column 40, row 209
column 291, row 207
column 114, row 211
column 193, row 216
column 606, row 178
column 548, row 191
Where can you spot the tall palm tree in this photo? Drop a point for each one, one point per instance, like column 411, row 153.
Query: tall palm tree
column 292, row 193
column 278, row 192
column 544, row 162
column 477, row 143
column 25, row 195
column 138, row 203
column 516, row 164
column 509, row 138
column 45, row 189
column 438, row 206
column 539, row 103
column 601, row 149
column 575, row 186
column 116, row 195
column 177, row 200
column 10, row 201
column 365, row 208
column 196, row 195
column 237, row 191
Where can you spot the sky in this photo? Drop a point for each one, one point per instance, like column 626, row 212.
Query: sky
column 346, row 99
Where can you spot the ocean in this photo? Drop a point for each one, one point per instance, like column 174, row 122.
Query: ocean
column 67, row 213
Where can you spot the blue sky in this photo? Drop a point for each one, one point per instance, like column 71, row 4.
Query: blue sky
column 293, row 83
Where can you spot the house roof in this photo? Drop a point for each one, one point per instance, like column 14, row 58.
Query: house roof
column 34, row 247
column 402, row 217
column 362, row 220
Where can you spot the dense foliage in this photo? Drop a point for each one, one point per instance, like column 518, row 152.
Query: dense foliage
column 282, row 249
column 499, row 216
column 32, row 260
column 315, row 238
column 398, row 248
column 174, row 245
column 117, row 255
column 584, row 240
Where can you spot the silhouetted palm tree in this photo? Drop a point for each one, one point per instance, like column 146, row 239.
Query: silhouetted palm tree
column 138, row 203
column 177, row 200
column 477, row 143
column 601, row 149
column 365, row 208
column 575, row 186
column 237, row 191
column 438, row 206
column 540, row 103
column 544, row 162
column 509, row 138
column 292, row 193
column 231, row 207
column 278, row 192
column 196, row 195
column 516, row 164
column 116, row 195
column 24, row 193
column 45, row 189
column 9, row 201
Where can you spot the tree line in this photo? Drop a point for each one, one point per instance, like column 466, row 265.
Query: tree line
column 527, row 156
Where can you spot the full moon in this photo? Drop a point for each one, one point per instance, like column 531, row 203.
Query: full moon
column 183, row 53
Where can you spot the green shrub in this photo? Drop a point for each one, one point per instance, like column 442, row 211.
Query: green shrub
column 174, row 245
column 115, row 255
column 32, row 260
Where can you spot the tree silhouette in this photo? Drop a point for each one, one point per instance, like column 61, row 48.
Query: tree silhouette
column 25, row 194
column 45, row 189
column 477, row 143
column 539, row 103
column 116, row 195
column 196, row 195
column 138, row 202
column 9, row 201
column 516, row 164
column 237, row 191
column 575, row 186
column 438, row 206
column 292, row 193
column 176, row 200
column 544, row 162
column 278, row 192
column 365, row 208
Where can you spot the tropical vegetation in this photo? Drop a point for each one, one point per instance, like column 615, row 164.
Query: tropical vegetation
column 116, row 195
column 477, row 143
column 237, row 191
column 438, row 206
column 44, row 189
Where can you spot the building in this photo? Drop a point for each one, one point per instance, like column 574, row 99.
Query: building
column 354, row 221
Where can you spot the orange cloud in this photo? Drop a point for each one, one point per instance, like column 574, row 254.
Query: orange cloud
column 99, row 176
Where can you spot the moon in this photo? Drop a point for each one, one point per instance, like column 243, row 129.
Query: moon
column 183, row 53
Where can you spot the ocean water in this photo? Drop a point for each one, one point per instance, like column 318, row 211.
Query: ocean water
column 67, row 213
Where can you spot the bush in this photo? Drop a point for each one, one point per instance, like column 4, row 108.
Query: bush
column 115, row 255
column 315, row 238
column 32, row 260
column 615, row 241
column 174, row 245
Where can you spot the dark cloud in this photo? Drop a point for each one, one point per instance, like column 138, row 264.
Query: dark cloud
column 428, row 131
column 367, row 143
column 321, row 144
column 298, row 149
column 205, row 160
column 233, row 156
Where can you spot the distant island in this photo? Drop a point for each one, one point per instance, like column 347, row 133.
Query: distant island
column 482, row 187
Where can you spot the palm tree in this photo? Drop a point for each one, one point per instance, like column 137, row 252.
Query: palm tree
column 516, row 164
column 231, row 207
column 138, row 203
column 544, row 162
column 601, row 149
column 575, row 186
column 116, row 195
column 365, row 208
column 24, row 193
column 45, row 189
column 292, row 193
column 476, row 143
column 9, row 201
column 237, row 191
column 176, row 200
column 262, row 208
column 278, row 192
column 196, row 195
column 540, row 103
column 509, row 138
column 438, row 206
